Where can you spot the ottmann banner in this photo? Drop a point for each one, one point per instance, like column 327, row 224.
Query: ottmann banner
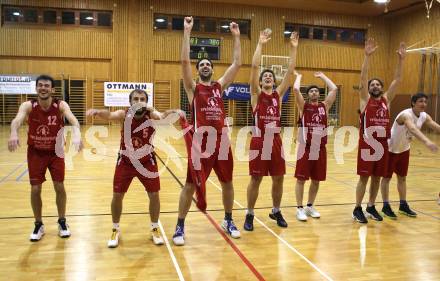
column 238, row 91
column 17, row 84
column 116, row 93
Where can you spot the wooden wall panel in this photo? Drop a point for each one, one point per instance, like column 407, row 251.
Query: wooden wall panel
column 411, row 29
column 137, row 53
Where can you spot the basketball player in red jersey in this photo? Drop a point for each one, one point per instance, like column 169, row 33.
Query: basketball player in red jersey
column 374, row 132
column 135, row 160
column 208, row 110
column 45, row 148
column 312, row 139
column 266, row 107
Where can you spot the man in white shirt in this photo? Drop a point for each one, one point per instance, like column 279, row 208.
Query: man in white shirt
column 406, row 126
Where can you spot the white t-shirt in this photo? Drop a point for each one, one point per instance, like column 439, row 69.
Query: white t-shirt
column 400, row 135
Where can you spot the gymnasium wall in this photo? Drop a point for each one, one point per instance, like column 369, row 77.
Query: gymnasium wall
column 415, row 28
column 132, row 51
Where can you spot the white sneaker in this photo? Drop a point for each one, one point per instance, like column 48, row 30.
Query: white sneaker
column 310, row 211
column 37, row 233
column 114, row 240
column 230, row 228
column 179, row 236
column 301, row 214
column 156, row 236
column 63, row 228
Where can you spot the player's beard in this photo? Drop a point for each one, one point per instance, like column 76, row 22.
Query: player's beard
column 140, row 111
column 205, row 78
column 376, row 94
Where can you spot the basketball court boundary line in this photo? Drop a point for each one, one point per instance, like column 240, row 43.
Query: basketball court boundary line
column 220, row 231
column 13, row 171
column 282, row 240
column 170, row 251
column 196, row 211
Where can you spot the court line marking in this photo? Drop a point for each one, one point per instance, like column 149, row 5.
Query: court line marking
column 196, row 211
column 282, row 240
column 220, row 231
column 21, row 175
column 13, row 171
column 173, row 257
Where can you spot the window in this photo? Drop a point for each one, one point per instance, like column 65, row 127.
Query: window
column 219, row 26
column 244, row 27
column 160, row 22
column 86, row 18
column 344, row 35
column 196, row 25
column 50, row 17
column 288, row 29
column 210, row 26
column 104, row 19
column 332, row 34
column 318, row 33
column 224, row 26
column 12, row 14
column 177, row 23
column 45, row 16
column 68, row 17
column 31, row 15
column 359, row 37
column 303, row 32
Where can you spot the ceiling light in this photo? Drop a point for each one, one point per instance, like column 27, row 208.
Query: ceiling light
column 16, row 13
column 225, row 26
column 287, row 32
column 381, row 1
column 160, row 20
column 89, row 18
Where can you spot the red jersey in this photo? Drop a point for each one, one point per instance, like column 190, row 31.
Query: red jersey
column 313, row 121
column 207, row 106
column 140, row 138
column 44, row 125
column 376, row 113
column 267, row 111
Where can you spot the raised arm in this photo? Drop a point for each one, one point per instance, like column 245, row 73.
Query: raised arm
column 370, row 47
column 391, row 92
column 332, row 90
column 188, row 82
column 288, row 77
column 232, row 70
column 297, row 92
column 76, row 136
column 409, row 123
column 255, row 67
column 432, row 124
column 22, row 113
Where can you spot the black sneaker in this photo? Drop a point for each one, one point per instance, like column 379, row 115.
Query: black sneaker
column 404, row 209
column 372, row 213
column 359, row 216
column 279, row 218
column 249, row 222
column 388, row 212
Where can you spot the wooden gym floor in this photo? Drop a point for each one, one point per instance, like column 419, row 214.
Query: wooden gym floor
column 330, row 248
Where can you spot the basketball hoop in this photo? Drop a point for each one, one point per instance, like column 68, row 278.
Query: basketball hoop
column 428, row 6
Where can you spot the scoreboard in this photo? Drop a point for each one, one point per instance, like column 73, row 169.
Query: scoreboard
column 202, row 48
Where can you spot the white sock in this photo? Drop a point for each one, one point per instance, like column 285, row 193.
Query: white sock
column 275, row 210
column 250, row 212
column 116, row 226
column 154, row 225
